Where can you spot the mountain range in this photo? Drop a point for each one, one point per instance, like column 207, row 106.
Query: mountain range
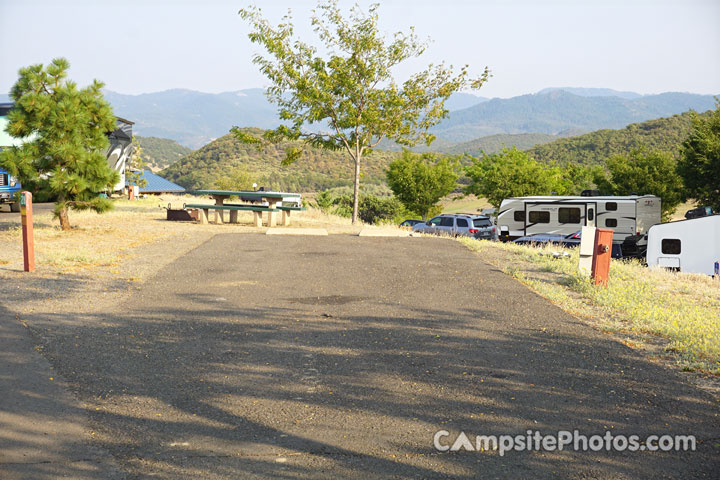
column 193, row 118
column 557, row 111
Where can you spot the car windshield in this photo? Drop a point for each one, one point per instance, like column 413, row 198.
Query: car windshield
column 482, row 222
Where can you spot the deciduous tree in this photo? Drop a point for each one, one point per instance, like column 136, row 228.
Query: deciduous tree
column 699, row 165
column 644, row 173
column 345, row 97
column 513, row 173
column 65, row 127
column 420, row 181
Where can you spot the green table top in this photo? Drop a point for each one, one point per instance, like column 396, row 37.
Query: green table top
column 251, row 193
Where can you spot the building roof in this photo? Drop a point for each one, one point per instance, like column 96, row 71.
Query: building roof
column 157, row 184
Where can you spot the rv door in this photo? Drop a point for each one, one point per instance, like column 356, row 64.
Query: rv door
column 591, row 213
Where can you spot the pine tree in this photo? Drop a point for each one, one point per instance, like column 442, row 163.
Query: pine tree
column 65, row 130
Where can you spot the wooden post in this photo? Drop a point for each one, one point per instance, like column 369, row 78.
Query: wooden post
column 233, row 216
column 27, row 231
column 601, row 256
column 286, row 218
column 257, row 218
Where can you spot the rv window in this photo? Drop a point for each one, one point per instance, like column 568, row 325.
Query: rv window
column 611, row 206
column 540, row 217
column 671, row 246
column 611, row 222
column 569, row 215
column 591, row 214
column 519, row 215
column 461, row 222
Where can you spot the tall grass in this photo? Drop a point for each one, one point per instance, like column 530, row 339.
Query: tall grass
column 682, row 308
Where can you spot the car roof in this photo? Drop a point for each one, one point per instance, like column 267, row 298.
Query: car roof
column 462, row 215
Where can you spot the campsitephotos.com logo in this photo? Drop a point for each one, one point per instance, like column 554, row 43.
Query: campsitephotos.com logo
column 562, row 440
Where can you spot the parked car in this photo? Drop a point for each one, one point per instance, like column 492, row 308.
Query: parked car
column 568, row 241
column 475, row 226
column 409, row 223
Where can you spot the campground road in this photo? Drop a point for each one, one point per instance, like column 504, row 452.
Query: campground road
column 340, row 357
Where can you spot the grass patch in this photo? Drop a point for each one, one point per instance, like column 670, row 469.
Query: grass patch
column 76, row 258
column 682, row 308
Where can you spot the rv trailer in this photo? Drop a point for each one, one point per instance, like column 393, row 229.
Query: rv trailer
column 691, row 246
column 626, row 216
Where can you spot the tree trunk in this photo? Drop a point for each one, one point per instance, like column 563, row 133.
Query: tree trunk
column 356, row 192
column 64, row 220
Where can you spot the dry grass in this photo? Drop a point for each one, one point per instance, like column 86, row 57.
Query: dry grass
column 683, row 309
column 108, row 239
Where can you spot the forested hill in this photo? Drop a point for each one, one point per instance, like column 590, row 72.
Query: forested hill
column 664, row 134
column 160, row 153
column 316, row 170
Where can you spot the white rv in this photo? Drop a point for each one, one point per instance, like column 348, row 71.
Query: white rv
column 630, row 215
column 691, row 246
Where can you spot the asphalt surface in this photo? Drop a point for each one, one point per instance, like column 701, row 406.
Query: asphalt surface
column 340, row 357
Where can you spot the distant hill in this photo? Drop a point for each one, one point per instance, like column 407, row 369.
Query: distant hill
column 494, row 143
column 461, row 100
column 592, row 92
column 194, row 118
column 664, row 134
column 559, row 110
column 316, row 170
column 160, row 153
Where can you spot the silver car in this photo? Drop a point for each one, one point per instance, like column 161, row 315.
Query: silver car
column 475, row 226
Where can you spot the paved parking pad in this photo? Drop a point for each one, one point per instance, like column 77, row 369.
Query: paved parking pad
column 261, row 356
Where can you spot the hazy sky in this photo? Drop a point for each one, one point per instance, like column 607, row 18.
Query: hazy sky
column 139, row 46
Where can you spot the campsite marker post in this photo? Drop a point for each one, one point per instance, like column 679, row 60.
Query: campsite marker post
column 27, row 231
column 602, row 253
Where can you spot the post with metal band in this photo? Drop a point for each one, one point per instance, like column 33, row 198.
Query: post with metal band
column 27, row 231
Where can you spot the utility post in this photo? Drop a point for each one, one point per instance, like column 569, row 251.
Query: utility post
column 27, row 231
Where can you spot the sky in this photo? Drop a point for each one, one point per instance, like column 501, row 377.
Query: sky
column 142, row 46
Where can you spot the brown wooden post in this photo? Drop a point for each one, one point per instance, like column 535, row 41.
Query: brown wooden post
column 602, row 254
column 27, row 231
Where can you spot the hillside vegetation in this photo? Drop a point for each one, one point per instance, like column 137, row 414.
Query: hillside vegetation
column 664, row 134
column 160, row 153
column 316, row 170
column 495, row 143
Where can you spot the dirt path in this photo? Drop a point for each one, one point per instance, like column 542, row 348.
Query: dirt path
column 340, row 357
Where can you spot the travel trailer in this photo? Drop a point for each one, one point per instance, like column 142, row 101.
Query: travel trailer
column 691, row 246
column 628, row 215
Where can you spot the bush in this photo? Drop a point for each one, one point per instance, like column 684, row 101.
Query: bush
column 374, row 209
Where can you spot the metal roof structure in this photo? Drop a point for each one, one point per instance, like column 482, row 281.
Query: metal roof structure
column 157, row 184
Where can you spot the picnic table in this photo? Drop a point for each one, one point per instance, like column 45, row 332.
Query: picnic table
column 258, row 202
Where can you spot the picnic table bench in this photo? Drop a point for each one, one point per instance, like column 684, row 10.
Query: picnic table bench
column 274, row 201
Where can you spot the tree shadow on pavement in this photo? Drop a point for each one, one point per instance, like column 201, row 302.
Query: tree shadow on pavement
column 233, row 368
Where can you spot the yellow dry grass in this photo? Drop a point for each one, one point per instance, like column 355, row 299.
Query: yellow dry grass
column 107, row 239
column 684, row 309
